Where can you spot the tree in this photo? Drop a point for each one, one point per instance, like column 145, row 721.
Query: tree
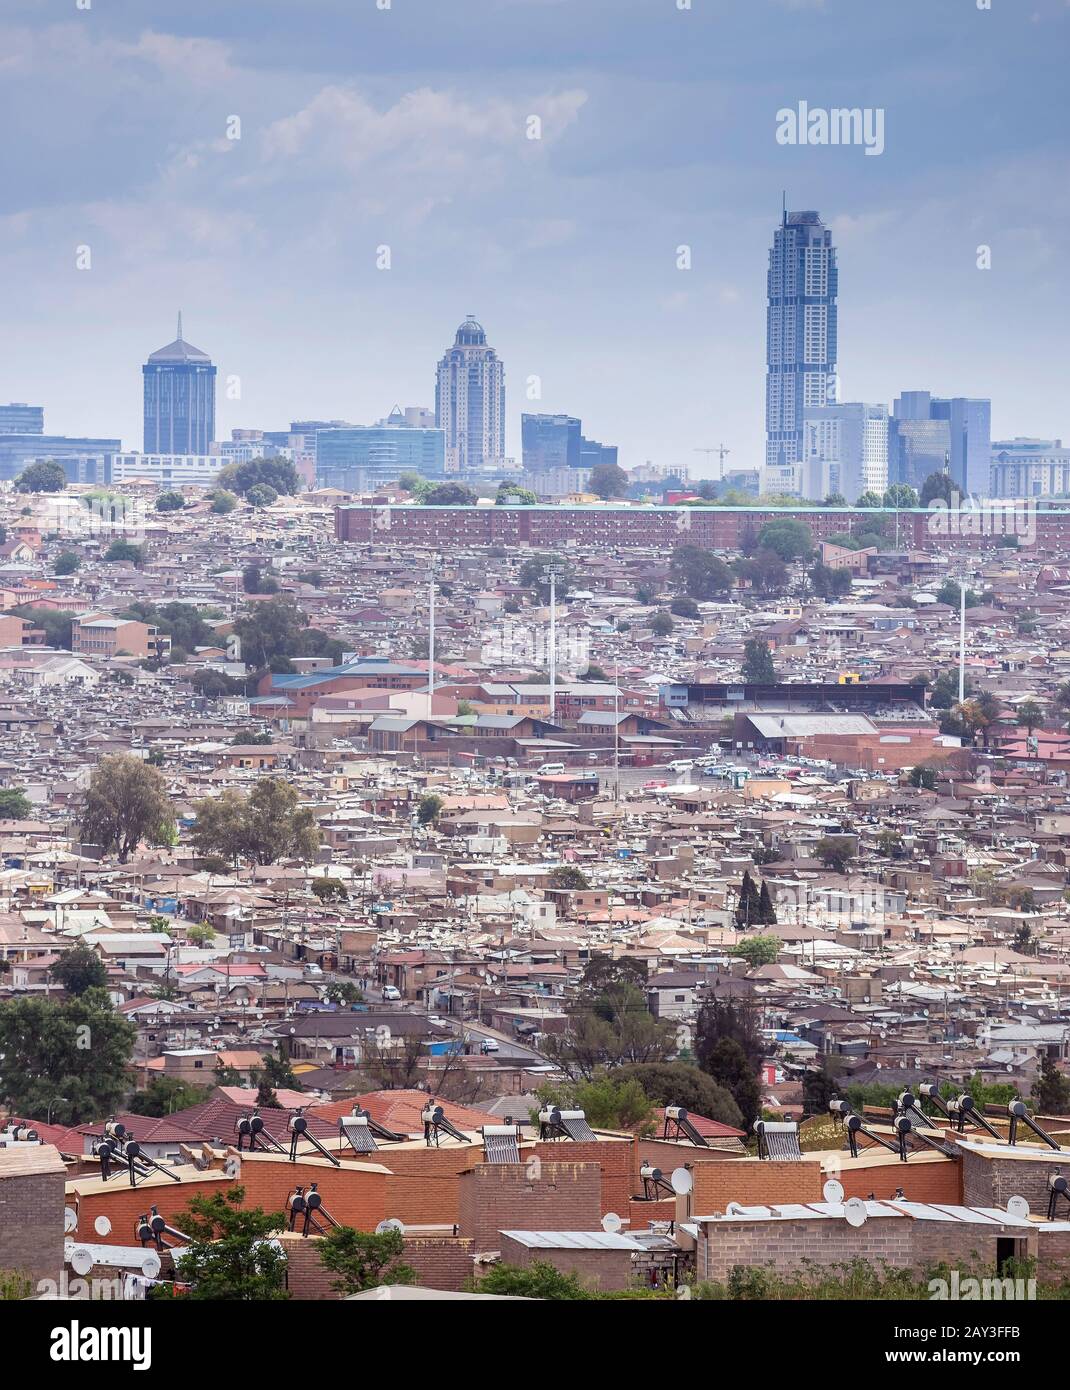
column 277, row 473
column 698, row 573
column 261, row 496
column 758, row 666
column 79, row 969
column 766, row 910
column 890, row 844
column 835, row 499
column 449, row 495
column 727, row 1018
column 200, row 934
column 682, row 1083
column 56, row 624
column 230, row 1255
column 834, row 854
column 764, row 570
column 870, row 499
column 166, row 1094
column 758, row 950
column 510, row 495
column 900, row 495
column 263, row 827
column 170, row 502
column 14, row 804
column 728, row 1064
column 661, row 625
column 222, row 501
column 951, row 594
column 607, row 480
column 123, row 551
column 67, row 562
column 63, row 1061
column 748, row 905
column 937, row 486
column 608, row 1100
column 1051, row 1089
column 684, row 608
column 1030, row 716
column 182, row 622
column 568, row 876
column 604, row 972
column 791, row 540
column 534, row 574
column 46, row 476
column 429, row 809
column 327, row 889
column 924, row 777
column 126, row 802
column 1023, row 941
column 820, row 1087
column 344, row 993
column 607, row 1029
column 364, row 1260
column 830, row 583
column 539, row 1279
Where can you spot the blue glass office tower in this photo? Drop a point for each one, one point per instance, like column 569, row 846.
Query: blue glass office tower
column 179, row 383
column 801, row 332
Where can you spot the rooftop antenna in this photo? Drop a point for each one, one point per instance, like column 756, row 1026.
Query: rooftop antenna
column 180, row 325
column 678, row 1126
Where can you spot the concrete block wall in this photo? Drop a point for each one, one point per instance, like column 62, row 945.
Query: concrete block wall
column 439, row 1264
column 502, row 1197
column 990, row 1182
column 596, row 1269
column 31, row 1212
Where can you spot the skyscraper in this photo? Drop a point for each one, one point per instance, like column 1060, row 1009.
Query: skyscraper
column 934, row 433
column 845, row 450
column 470, row 401
column 800, row 333
column 179, row 399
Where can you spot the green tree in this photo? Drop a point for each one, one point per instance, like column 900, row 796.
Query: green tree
column 344, row 993
column 662, row 625
column 835, row 499
column 568, row 876
column 539, row 1279
column 728, row 1064
column 830, row 583
column 835, row 854
column 170, row 502
column 509, row 494
column 261, row 496
column 937, row 486
column 230, row 1255
column 79, row 969
column 758, row 666
column 608, row 1029
column 67, row 562
column 749, row 903
column 429, row 809
column 609, row 1100
column 45, row 476
column 951, row 594
column 328, row 889
column 890, row 844
column 200, row 934
column 758, row 950
column 1051, row 1089
column 1030, row 716
column 682, row 1083
column 14, row 804
column 126, row 802
column 123, row 551
column 534, row 574
column 607, row 480
column 222, row 501
column 263, row 827
column 276, row 473
column 764, row 570
column 924, row 777
column 821, row 1086
column 900, row 495
column 56, row 624
column 449, row 495
column 791, row 540
column 364, row 1260
column 166, row 1094
column 870, row 499
column 684, row 608
column 63, row 1061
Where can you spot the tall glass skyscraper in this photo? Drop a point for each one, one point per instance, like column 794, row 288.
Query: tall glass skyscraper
column 179, row 399
column 470, row 401
column 800, row 333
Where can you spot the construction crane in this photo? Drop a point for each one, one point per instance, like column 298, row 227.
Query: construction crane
column 721, row 453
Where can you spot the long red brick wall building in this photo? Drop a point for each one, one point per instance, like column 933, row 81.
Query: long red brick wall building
column 662, row 528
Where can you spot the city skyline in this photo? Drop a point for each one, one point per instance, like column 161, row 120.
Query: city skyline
column 565, row 246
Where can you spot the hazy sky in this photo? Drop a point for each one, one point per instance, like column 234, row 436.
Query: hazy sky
column 407, row 127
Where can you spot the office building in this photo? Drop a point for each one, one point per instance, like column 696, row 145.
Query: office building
column 17, row 450
column 19, row 418
column 1030, row 468
column 364, row 456
column 179, row 396
column 557, row 441
column 167, row 470
column 845, row 450
column 470, row 402
column 801, row 333
column 931, row 434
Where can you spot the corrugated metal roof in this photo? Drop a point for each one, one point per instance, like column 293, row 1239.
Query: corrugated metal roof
column 573, row 1240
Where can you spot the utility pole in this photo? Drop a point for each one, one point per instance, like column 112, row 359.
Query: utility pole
column 616, row 713
column 962, row 640
column 431, row 645
column 553, row 571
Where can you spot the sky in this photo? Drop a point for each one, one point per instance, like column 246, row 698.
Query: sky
column 407, row 127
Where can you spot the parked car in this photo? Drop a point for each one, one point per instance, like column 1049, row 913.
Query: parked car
column 391, row 992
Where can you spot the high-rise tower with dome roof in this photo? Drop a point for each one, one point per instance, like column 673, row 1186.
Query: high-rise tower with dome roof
column 470, row 401
column 179, row 387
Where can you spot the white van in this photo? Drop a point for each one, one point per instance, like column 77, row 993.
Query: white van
column 550, row 770
column 681, row 765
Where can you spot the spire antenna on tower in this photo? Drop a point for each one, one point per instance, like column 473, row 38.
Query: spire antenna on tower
column 180, row 325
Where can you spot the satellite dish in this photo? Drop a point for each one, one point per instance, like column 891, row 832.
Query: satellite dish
column 611, row 1222
column 833, row 1191
column 81, row 1261
column 150, row 1265
column 391, row 1224
column 70, row 1219
column 855, row 1211
column 102, row 1226
column 682, row 1181
column 1018, row 1207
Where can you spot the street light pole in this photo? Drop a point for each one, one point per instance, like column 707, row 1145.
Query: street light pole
column 553, row 572
column 431, row 646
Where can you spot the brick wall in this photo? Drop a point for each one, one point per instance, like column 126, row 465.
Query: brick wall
column 424, row 1184
column 597, row 1269
column 31, row 1211
column 923, row 1179
column 618, row 1162
column 753, row 1182
column 500, row 1197
column 440, row 1263
column 990, row 1182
